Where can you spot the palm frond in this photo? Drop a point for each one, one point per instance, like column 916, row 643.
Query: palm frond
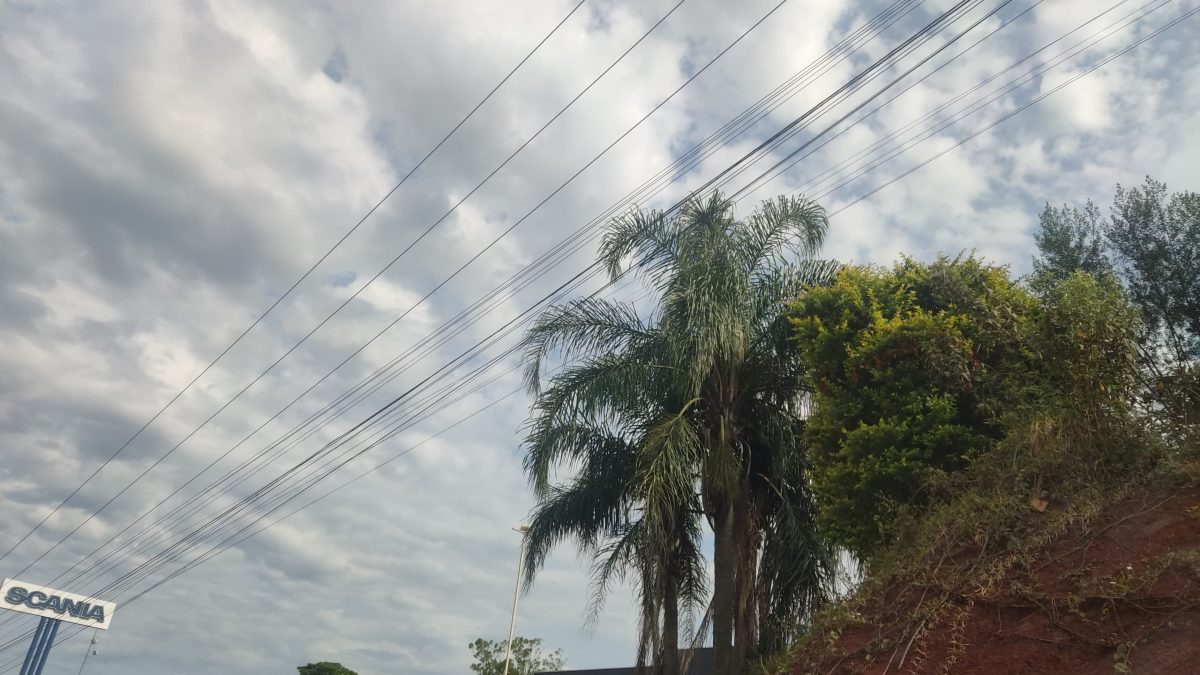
column 666, row 473
column 797, row 568
column 649, row 237
column 590, row 510
column 594, row 448
column 585, row 326
column 611, row 563
column 778, row 227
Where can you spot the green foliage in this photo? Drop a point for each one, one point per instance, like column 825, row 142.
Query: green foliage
column 1069, row 240
column 1082, row 428
column 658, row 423
column 914, row 368
column 1150, row 244
column 922, row 370
column 1074, row 439
column 1179, row 394
column 528, row 657
column 325, row 668
column 1155, row 240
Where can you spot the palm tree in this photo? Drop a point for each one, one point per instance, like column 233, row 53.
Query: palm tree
column 705, row 398
column 633, row 515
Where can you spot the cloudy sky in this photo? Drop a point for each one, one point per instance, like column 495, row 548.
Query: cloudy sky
column 169, row 169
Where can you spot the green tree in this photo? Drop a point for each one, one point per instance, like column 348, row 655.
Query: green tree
column 705, row 399
column 622, row 510
column 1155, row 240
column 1069, row 239
column 924, row 370
column 914, row 368
column 325, row 668
column 1151, row 243
column 528, row 657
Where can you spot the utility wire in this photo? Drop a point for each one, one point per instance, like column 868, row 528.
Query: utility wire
column 744, row 193
column 495, row 241
column 879, row 93
column 348, row 300
column 896, row 11
column 890, row 55
column 1050, row 92
column 834, row 171
column 1003, row 91
column 293, row 287
column 1022, row 108
column 1100, row 64
column 854, row 82
column 768, row 14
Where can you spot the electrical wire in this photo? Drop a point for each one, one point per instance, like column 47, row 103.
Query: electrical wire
column 294, row 285
column 935, row 24
column 353, row 296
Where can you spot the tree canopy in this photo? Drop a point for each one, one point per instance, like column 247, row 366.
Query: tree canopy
column 921, row 368
column 1150, row 242
column 325, row 668
column 692, row 412
column 799, row 408
column 528, row 657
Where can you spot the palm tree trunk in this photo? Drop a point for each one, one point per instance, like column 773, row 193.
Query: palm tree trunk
column 670, row 637
column 766, row 632
column 724, row 589
column 745, row 536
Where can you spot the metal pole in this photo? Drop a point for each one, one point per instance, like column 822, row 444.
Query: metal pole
column 512, row 624
column 90, row 648
column 46, row 650
column 34, row 645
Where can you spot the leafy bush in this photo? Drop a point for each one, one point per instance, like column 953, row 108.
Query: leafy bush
column 913, row 369
column 922, row 370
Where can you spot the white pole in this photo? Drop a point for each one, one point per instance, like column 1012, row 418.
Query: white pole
column 512, row 624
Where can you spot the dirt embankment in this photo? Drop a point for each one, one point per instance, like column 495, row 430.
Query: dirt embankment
column 1119, row 593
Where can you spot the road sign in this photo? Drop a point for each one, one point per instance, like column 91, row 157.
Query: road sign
column 51, row 603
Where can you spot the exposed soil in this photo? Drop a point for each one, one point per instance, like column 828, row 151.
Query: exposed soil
column 1120, row 594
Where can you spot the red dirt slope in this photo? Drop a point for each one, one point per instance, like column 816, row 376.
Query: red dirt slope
column 1120, row 594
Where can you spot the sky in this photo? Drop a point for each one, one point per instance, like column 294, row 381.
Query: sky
column 168, row 170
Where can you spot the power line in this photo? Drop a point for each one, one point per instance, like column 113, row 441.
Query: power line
column 744, row 193
column 739, row 39
column 924, row 32
column 657, row 107
column 1006, row 89
column 297, row 283
column 320, row 324
column 873, row 66
column 876, row 65
column 833, row 171
column 879, row 93
column 1022, row 108
column 1059, row 87
column 1096, row 66
column 882, row 15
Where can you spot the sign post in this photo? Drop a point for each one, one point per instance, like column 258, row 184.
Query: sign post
column 54, row 607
